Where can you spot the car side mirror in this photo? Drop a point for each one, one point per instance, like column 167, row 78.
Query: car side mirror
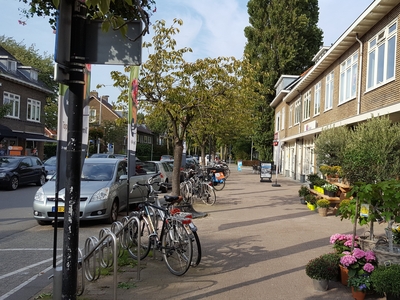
column 123, row 177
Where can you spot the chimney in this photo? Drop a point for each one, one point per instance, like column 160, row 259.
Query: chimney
column 105, row 98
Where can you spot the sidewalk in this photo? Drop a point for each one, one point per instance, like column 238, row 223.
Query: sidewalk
column 256, row 241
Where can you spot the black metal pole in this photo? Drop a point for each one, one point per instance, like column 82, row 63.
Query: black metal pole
column 74, row 153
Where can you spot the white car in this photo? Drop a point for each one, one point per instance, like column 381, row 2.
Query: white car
column 165, row 169
column 103, row 192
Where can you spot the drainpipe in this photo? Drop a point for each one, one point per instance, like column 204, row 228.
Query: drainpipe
column 360, row 76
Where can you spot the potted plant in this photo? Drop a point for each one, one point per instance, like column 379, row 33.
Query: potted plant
column 303, row 191
column 311, row 201
column 322, row 269
column 312, row 178
column 385, row 279
column 359, row 285
column 330, row 189
column 323, row 206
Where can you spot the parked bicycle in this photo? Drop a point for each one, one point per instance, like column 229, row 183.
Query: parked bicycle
column 171, row 233
column 197, row 186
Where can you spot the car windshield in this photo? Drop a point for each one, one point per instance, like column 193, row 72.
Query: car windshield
column 9, row 162
column 51, row 161
column 97, row 172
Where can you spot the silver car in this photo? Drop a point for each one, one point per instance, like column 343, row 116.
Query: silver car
column 103, row 192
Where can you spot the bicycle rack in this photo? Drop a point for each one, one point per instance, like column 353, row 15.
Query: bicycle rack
column 102, row 252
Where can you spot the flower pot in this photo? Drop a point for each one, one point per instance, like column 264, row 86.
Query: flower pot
column 302, row 201
column 311, row 206
column 323, row 211
column 331, row 193
column 358, row 295
column 326, row 192
column 344, row 275
column 320, row 285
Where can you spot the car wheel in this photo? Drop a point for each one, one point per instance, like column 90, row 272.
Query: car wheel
column 42, row 180
column 43, row 223
column 14, row 183
column 114, row 213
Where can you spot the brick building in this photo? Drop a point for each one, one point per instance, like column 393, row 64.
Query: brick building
column 350, row 81
column 23, row 128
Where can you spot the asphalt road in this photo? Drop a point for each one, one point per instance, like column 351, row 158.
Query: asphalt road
column 26, row 248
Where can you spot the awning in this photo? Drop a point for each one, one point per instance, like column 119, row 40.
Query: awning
column 7, row 132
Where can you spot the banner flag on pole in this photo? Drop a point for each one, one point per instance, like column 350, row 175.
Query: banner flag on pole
column 132, row 119
column 62, row 128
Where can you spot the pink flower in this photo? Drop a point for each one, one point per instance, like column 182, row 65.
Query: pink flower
column 368, row 267
column 348, row 260
column 370, row 255
column 358, row 253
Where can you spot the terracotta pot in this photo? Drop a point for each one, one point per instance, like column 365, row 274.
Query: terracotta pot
column 344, row 275
column 358, row 295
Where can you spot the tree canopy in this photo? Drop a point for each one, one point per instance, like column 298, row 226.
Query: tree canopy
column 282, row 37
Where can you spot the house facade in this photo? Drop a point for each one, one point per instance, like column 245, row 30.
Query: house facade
column 22, row 130
column 354, row 79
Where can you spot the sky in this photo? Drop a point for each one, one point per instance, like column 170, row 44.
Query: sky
column 211, row 28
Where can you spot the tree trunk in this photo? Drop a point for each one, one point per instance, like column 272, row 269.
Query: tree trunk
column 178, row 149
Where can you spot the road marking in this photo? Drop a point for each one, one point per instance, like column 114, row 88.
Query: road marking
column 28, row 281
column 28, row 267
column 30, row 249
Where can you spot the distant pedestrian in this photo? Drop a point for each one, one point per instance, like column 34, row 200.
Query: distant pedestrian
column 34, row 152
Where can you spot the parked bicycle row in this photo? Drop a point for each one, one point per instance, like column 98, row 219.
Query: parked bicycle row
column 164, row 228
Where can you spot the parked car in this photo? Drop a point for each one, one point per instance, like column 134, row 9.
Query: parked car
column 51, row 166
column 166, row 157
column 103, row 191
column 19, row 170
column 165, row 168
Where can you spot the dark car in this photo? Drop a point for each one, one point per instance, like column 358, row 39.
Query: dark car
column 19, row 170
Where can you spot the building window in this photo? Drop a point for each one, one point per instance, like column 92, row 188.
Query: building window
column 92, row 115
column 348, row 78
column 277, row 122
column 382, row 57
column 329, row 91
column 283, row 118
column 306, row 105
column 317, row 98
column 290, row 116
column 297, row 112
column 15, row 104
column 12, row 66
column 33, row 110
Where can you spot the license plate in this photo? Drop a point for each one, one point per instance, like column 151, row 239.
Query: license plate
column 60, row 209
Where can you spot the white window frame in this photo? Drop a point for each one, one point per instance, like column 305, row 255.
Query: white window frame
column 12, row 66
column 317, row 99
column 297, row 111
column 15, row 100
column 283, row 118
column 381, row 65
column 307, row 105
column 329, row 85
column 33, row 109
column 291, row 115
column 348, row 78
column 278, row 122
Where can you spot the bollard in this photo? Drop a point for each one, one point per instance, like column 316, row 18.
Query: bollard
column 57, row 283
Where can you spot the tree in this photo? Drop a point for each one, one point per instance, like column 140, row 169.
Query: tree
column 5, row 109
column 30, row 56
column 113, row 13
column 282, row 37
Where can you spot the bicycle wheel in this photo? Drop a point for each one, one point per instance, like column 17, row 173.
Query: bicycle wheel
column 177, row 248
column 132, row 233
column 227, row 172
column 196, row 257
column 218, row 186
column 186, row 193
column 208, row 195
